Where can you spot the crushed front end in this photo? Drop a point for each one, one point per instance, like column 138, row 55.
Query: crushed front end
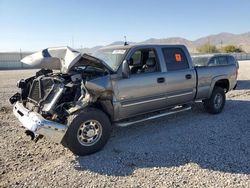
column 36, row 125
column 46, row 100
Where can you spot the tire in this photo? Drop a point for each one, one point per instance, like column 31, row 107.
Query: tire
column 216, row 103
column 88, row 132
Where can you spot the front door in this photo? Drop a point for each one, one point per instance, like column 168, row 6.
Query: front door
column 144, row 90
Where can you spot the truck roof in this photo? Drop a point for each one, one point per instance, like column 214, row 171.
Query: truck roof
column 142, row 45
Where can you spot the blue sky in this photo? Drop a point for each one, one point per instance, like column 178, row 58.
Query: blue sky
column 37, row 24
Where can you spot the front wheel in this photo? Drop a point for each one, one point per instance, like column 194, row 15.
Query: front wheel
column 88, row 131
column 215, row 104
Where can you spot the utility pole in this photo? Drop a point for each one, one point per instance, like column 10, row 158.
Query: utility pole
column 125, row 41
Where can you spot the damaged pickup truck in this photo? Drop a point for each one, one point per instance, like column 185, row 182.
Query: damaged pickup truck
column 75, row 98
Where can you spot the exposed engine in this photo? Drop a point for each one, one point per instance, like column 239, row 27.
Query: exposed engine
column 56, row 95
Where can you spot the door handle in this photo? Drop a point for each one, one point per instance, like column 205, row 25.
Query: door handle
column 188, row 76
column 160, row 80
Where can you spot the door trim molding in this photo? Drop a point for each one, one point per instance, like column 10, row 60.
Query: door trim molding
column 143, row 102
column 179, row 95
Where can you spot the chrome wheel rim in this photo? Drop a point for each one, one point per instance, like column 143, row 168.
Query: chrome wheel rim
column 89, row 133
column 218, row 100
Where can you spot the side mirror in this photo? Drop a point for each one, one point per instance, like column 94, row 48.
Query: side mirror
column 125, row 69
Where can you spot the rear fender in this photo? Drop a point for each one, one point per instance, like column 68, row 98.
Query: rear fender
column 216, row 80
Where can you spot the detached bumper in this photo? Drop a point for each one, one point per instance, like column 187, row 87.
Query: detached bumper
column 38, row 125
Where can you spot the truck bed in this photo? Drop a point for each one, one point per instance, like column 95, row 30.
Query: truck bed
column 208, row 75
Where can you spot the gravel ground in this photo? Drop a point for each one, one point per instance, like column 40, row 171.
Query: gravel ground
column 191, row 149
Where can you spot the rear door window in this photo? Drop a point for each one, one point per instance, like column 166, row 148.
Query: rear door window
column 175, row 59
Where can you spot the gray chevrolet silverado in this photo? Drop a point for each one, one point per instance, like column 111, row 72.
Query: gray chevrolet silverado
column 86, row 95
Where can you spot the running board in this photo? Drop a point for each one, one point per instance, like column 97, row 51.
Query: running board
column 160, row 114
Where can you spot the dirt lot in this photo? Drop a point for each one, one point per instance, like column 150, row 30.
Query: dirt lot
column 192, row 149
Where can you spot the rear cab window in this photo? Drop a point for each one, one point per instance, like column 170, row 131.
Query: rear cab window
column 222, row 60
column 231, row 60
column 213, row 61
column 175, row 59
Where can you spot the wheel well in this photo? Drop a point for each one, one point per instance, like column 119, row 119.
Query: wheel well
column 105, row 106
column 223, row 84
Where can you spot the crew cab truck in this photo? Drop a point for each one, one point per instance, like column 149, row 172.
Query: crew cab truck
column 86, row 95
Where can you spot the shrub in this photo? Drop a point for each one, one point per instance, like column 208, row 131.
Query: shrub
column 231, row 49
column 207, row 48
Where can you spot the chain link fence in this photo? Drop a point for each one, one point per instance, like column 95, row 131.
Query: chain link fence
column 241, row 56
column 12, row 60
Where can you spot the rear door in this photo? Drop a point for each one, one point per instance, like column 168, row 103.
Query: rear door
column 180, row 76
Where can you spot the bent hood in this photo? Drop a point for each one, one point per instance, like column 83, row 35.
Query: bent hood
column 61, row 58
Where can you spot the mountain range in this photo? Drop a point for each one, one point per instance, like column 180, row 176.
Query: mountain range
column 219, row 40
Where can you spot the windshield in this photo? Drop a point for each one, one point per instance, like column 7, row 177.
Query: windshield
column 200, row 61
column 112, row 57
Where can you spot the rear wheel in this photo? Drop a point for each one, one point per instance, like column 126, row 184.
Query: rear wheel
column 88, row 131
column 216, row 102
